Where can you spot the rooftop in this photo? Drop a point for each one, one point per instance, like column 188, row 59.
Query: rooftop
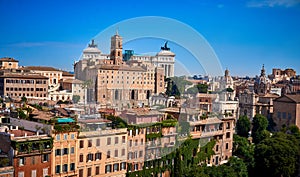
column 8, row 59
column 40, row 68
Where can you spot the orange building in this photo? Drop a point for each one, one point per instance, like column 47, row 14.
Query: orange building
column 64, row 153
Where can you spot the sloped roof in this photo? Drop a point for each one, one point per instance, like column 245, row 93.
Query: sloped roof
column 41, row 68
column 289, row 98
column 8, row 59
column 65, row 73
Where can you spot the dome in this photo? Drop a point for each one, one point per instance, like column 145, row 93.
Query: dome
column 165, row 53
column 91, row 50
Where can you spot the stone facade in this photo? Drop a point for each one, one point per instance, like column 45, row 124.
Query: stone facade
column 286, row 111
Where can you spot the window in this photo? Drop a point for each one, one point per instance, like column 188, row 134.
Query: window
column 123, row 152
column 141, row 154
column 45, row 172
column 81, row 158
column 72, row 136
column 136, row 166
column 116, row 167
column 98, row 156
column 21, row 174
column 283, row 115
column 228, row 135
column 98, row 142
column 226, row 145
column 22, row 161
column 136, row 142
column 108, row 141
column 33, row 160
column 116, row 153
column 123, row 166
column 57, row 152
column 81, row 143
column 72, row 166
column 116, row 140
column 90, row 143
column 130, row 143
column 217, row 147
column 57, row 169
column 142, row 141
column 107, row 168
column 89, row 172
column 89, row 157
column 108, row 154
column 33, row 173
column 72, row 150
column 57, row 137
column 65, row 136
column 278, row 114
column 66, row 151
column 97, row 170
column 289, row 116
column 123, row 139
column 80, row 172
column 45, row 157
column 65, row 168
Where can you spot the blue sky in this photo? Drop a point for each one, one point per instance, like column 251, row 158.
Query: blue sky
column 244, row 34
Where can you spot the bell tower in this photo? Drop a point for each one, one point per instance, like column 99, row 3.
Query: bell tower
column 116, row 49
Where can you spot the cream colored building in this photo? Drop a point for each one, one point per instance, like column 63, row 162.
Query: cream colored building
column 116, row 83
column 102, row 152
column 9, row 63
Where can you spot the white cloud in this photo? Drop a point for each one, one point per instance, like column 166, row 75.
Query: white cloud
column 273, row 3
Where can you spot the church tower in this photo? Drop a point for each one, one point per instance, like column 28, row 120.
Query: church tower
column 116, row 49
column 262, row 85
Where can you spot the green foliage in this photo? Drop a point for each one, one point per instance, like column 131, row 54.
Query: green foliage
column 117, row 122
column 154, row 135
column 22, row 114
column 229, row 89
column 277, row 156
column 259, row 132
column 169, row 123
column 75, row 98
column 199, row 88
column 202, row 88
column 4, row 161
column 193, row 90
column 243, row 149
column 243, row 126
column 24, row 99
column 176, row 86
column 37, row 106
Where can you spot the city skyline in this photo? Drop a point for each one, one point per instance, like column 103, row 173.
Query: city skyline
column 244, row 35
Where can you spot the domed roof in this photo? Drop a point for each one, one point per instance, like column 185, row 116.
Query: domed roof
column 165, row 53
column 92, row 48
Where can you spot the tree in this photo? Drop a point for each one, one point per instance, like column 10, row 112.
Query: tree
column 277, row 156
column 192, row 90
column 202, row 88
column 243, row 126
column 243, row 149
column 259, row 132
column 238, row 166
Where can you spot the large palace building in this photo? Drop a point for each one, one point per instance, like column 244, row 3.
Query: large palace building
column 113, row 82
